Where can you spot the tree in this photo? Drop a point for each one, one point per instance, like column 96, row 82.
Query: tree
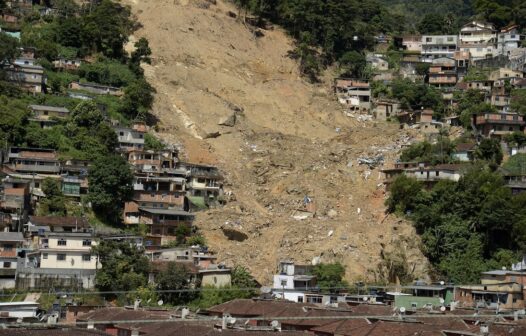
column 54, row 203
column 87, row 114
column 124, row 266
column 241, row 278
column 13, row 121
column 403, row 194
column 176, row 276
column 330, row 276
column 110, row 180
column 432, row 24
column 9, row 49
column 518, row 101
column 138, row 99
column 489, row 150
column 352, row 64
column 516, row 164
column 142, row 52
column 152, row 143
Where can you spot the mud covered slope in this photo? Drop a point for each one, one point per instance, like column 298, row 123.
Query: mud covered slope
column 288, row 139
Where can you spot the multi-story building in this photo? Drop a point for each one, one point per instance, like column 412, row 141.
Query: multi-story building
column 28, row 77
column 412, row 43
column 14, row 202
column 293, row 281
column 354, row 93
column 498, row 124
column 60, row 260
column 443, row 72
column 479, row 39
column 45, row 115
column 509, row 38
column 10, row 244
column 438, row 46
column 205, row 182
column 131, row 138
column 34, row 161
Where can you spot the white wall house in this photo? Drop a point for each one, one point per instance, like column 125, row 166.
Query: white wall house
column 293, row 282
column 437, row 46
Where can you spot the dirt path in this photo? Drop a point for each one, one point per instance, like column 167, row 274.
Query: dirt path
column 290, row 139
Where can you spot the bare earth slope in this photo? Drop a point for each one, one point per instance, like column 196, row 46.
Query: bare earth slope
column 290, row 139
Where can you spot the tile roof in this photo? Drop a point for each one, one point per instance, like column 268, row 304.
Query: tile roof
column 59, row 221
column 11, row 236
column 123, row 314
column 51, row 332
column 48, row 108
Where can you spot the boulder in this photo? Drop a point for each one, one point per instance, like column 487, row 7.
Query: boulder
column 229, row 120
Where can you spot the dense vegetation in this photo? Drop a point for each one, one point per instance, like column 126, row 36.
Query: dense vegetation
column 99, row 36
column 475, row 222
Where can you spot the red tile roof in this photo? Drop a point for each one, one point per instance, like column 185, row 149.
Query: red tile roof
column 50, row 332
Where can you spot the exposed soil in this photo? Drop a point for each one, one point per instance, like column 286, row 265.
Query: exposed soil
column 290, row 139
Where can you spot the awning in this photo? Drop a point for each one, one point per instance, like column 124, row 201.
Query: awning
column 198, row 201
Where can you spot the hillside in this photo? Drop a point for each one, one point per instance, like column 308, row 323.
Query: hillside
column 290, row 139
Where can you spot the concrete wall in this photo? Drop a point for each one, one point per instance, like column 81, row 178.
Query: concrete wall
column 216, row 279
column 74, row 260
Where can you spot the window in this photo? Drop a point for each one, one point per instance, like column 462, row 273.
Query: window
column 8, row 247
column 450, row 39
column 283, row 283
column 61, row 257
column 86, row 242
column 300, row 299
column 514, row 300
column 437, row 173
column 414, row 305
column 86, row 257
column 429, row 39
column 7, row 264
column 314, row 299
column 44, row 255
column 121, row 133
column 61, row 242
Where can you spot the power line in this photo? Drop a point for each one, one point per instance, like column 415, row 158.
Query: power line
column 320, row 290
column 392, row 318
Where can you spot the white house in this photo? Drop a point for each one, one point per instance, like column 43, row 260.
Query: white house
column 293, row 282
column 479, row 39
column 437, row 46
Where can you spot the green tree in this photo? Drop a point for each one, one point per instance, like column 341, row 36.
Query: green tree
column 9, row 49
column 518, row 101
column 152, row 143
column 404, row 193
column 516, row 164
column 142, row 52
column 330, row 277
column 489, row 150
column 176, row 276
column 124, row 266
column 110, row 180
column 87, row 114
column 54, row 203
column 138, row 99
column 13, row 121
column 352, row 64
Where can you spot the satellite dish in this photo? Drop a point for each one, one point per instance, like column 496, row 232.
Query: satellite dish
column 230, row 321
column 442, row 283
column 442, row 301
column 265, row 290
column 365, row 298
column 160, row 302
column 274, row 324
column 442, row 309
column 402, row 310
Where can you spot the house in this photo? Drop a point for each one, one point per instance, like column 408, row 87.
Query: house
column 39, row 225
column 463, row 61
column 423, row 296
column 28, row 77
column 9, row 18
column 33, row 161
column 517, row 59
column 354, row 93
column 293, row 281
column 442, row 72
column 67, row 64
column 498, row 124
column 432, row 174
column 416, row 117
column 46, row 115
column 61, row 260
column 480, row 85
column 10, row 244
column 500, row 289
column 479, row 39
column 96, row 88
column 377, row 62
column 412, row 43
column 509, row 38
column 385, row 109
column 14, row 202
column 437, row 46
column 164, row 222
column 25, row 61
column 464, row 152
column 204, row 182
column 130, row 138
column 505, row 73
